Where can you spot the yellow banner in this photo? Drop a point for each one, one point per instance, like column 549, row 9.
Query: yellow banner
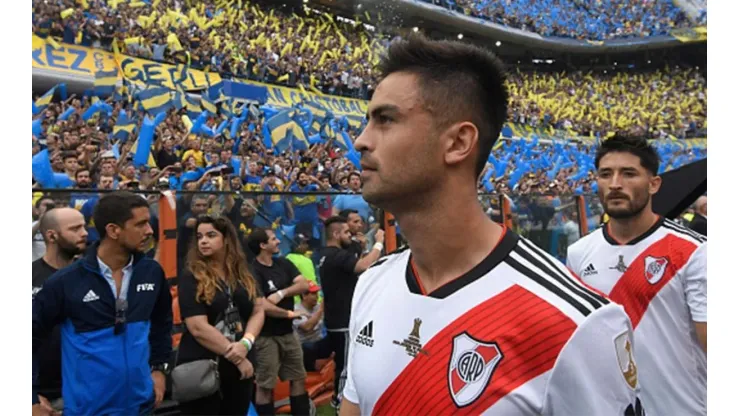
column 143, row 72
column 84, row 61
column 69, row 59
column 697, row 34
column 288, row 97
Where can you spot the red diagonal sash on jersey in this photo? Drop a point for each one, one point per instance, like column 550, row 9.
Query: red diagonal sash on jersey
column 529, row 331
column 634, row 291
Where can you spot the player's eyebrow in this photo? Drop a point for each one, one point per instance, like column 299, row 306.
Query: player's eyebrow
column 383, row 108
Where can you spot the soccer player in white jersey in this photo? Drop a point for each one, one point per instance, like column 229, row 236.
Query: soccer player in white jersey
column 472, row 319
column 656, row 269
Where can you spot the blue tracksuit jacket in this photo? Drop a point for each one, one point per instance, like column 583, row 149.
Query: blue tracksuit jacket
column 104, row 373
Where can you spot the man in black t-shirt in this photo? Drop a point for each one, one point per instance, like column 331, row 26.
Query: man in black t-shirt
column 278, row 349
column 65, row 236
column 339, row 269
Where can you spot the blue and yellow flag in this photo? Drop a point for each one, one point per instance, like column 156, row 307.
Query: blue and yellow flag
column 208, row 104
column 44, row 101
column 124, row 127
column 105, row 83
column 156, row 99
column 192, row 106
column 285, row 133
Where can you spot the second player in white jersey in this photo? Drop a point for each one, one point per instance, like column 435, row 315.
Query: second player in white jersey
column 517, row 335
column 660, row 279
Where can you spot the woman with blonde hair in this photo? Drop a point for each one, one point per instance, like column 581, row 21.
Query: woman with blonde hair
column 221, row 306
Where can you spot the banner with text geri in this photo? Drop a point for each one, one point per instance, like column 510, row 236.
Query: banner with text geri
column 80, row 60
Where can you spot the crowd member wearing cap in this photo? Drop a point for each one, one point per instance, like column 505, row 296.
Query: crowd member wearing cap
column 309, row 327
column 340, row 268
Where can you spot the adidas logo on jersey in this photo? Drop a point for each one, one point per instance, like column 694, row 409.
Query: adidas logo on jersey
column 590, row 270
column 91, row 296
column 365, row 337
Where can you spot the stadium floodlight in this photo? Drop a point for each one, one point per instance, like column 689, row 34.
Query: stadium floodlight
column 650, row 62
column 359, row 6
column 498, row 43
column 549, row 61
column 615, row 64
column 305, row 1
column 416, row 29
column 460, row 36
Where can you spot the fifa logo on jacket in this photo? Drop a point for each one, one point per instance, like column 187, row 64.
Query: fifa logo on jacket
column 145, row 287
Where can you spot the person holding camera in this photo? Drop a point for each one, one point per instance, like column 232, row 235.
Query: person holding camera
column 220, row 304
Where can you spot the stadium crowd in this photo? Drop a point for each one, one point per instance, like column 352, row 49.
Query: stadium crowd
column 242, row 40
column 601, row 20
column 325, row 55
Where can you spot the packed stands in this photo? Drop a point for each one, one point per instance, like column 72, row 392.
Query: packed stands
column 600, row 20
column 244, row 42
column 656, row 104
column 237, row 39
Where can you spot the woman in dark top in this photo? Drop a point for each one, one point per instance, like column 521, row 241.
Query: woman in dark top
column 215, row 285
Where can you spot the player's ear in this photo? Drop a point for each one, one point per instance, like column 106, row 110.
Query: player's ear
column 655, row 183
column 460, row 141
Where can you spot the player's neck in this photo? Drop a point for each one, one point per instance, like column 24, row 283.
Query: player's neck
column 624, row 230
column 448, row 238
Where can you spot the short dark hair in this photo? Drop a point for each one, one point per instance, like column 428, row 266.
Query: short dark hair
column 331, row 221
column 353, row 173
column 345, row 213
column 256, row 238
column 637, row 146
column 69, row 155
column 81, row 170
column 115, row 208
column 458, row 81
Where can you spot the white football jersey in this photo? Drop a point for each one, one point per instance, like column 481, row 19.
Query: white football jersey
column 517, row 335
column 661, row 280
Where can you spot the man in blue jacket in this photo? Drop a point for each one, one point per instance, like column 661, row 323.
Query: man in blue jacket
column 115, row 312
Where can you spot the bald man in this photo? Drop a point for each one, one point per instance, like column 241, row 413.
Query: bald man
column 699, row 222
column 65, row 237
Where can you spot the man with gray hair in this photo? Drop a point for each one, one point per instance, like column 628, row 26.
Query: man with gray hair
column 65, row 236
column 699, row 222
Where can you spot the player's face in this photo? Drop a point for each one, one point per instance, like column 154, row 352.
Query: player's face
column 625, row 187
column 399, row 145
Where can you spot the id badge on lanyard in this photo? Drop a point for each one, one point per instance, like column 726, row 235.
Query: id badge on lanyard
column 232, row 319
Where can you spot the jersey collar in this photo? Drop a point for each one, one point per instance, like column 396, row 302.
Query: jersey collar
column 500, row 251
column 609, row 239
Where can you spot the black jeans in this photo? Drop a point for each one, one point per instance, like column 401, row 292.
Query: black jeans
column 233, row 399
column 317, row 350
column 340, row 345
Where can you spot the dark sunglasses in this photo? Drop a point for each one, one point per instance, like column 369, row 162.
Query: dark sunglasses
column 121, row 307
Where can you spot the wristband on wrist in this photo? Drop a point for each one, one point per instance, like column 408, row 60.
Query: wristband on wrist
column 280, row 293
column 378, row 246
column 247, row 343
column 249, row 336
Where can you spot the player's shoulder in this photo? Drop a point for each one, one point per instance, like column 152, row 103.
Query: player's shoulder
column 677, row 229
column 392, row 265
column 589, row 240
column 553, row 282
